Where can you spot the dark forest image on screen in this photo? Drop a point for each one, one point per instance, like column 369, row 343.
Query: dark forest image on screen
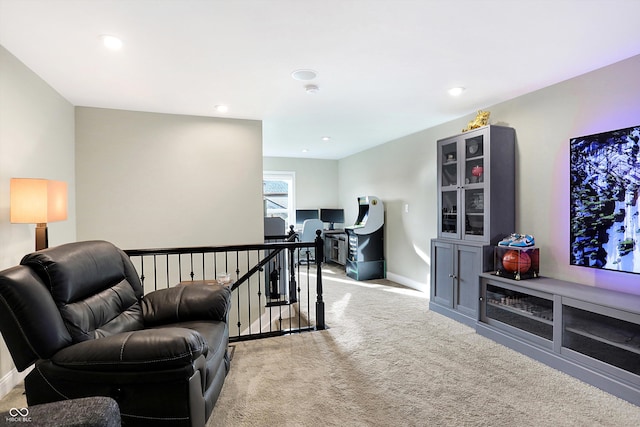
column 604, row 179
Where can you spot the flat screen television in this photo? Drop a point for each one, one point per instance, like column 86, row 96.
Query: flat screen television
column 304, row 214
column 604, row 187
column 332, row 216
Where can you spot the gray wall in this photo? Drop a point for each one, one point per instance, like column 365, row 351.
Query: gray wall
column 316, row 183
column 404, row 172
column 36, row 141
column 149, row 180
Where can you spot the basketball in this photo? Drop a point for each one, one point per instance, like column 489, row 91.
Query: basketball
column 514, row 259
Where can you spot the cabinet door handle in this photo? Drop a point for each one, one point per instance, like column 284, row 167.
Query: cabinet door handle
column 453, row 276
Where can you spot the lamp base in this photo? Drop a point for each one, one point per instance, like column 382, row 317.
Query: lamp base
column 42, row 236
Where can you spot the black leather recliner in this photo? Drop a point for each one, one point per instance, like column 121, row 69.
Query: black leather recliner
column 78, row 312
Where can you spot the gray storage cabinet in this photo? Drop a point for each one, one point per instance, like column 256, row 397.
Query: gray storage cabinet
column 455, row 268
column 476, row 209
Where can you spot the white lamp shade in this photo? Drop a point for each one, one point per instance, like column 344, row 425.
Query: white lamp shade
column 37, row 201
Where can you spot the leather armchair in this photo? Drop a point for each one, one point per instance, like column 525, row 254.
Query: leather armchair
column 78, row 312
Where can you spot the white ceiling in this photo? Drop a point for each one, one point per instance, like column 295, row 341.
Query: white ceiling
column 384, row 66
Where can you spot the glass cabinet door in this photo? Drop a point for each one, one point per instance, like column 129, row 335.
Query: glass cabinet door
column 463, row 186
column 449, row 212
column 474, row 189
column 483, row 211
column 613, row 341
column 526, row 312
column 449, row 178
column 449, row 160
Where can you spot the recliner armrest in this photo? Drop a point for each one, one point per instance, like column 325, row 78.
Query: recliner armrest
column 149, row 349
column 186, row 302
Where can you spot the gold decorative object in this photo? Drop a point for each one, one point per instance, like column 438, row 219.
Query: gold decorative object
column 482, row 119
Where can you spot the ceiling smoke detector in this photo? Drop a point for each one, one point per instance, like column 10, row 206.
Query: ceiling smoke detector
column 311, row 88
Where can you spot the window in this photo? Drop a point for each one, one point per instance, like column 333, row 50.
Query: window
column 278, row 195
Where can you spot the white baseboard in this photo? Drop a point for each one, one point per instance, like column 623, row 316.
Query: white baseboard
column 409, row 283
column 12, row 379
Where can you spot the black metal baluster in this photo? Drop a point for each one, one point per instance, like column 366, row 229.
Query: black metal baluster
column 204, row 270
column 238, row 293
column 142, row 272
column 155, row 272
column 319, row 303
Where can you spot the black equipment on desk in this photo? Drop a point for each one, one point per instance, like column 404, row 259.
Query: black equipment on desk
column 332, row 216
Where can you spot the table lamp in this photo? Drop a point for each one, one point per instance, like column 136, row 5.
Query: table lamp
column 38, row 201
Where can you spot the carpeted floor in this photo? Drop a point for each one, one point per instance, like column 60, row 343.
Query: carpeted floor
column 14, row 399
column 386, row 360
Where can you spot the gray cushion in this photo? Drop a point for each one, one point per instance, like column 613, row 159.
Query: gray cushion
column 95, row 411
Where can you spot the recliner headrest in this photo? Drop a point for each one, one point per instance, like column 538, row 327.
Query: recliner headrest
column 75, row 271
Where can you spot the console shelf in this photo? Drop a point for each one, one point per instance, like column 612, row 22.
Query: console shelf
column 588, row 332
column 538, row 314
column 633, row 345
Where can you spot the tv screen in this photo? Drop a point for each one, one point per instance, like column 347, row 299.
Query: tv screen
column 604, row 185
column 304, row 214
column 332, row 216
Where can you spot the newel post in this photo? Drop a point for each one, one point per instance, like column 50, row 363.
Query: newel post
column 319, row 302
column 293, row 291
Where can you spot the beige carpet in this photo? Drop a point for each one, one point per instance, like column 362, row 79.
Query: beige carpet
column 388, row 361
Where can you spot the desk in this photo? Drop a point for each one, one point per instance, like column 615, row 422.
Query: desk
column 335, row 246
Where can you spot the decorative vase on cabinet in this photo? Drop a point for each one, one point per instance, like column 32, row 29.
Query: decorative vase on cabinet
column 476, row 209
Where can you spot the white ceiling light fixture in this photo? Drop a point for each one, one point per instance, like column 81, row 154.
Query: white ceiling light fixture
column 220, row 108
column 326, row 138
column 111, row 42
column 456, row 91
column 311, row 88
column 304, row 75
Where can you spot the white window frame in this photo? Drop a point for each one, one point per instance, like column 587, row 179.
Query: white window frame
column 290, row 178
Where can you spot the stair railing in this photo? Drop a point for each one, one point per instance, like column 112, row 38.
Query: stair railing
column 253, row 312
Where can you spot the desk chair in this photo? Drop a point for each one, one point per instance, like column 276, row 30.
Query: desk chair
column 308, row 234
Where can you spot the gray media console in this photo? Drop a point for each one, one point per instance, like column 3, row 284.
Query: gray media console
column 590, row 333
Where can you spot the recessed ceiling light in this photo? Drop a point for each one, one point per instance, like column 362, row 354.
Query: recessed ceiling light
column 304, row 74
column 221, row 108
column 305, row 150
column 326, row 138
column 111, row 42
column 311, row 88
column 456, row 91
